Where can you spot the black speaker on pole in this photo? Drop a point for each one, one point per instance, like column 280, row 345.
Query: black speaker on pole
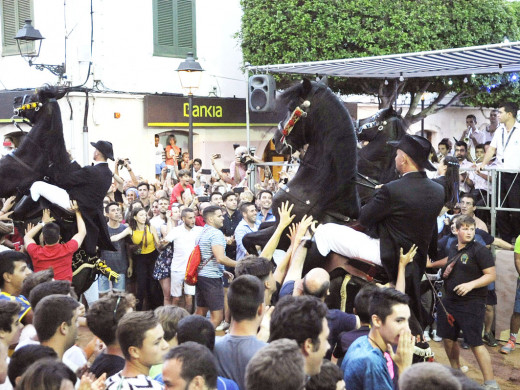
column 262, row 88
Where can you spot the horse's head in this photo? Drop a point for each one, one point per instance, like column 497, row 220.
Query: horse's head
column 28, row 106
column 368, row 129
column 290, row 135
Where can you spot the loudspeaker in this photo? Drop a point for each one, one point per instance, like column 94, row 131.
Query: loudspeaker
column 262, row 88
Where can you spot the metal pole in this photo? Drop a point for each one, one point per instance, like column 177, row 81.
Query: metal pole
column 190, row 126
column 492, row 210
column 422, row 120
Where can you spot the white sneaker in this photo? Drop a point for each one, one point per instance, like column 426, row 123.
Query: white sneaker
column 426, row 336
column 435, row 337
column 223, row 326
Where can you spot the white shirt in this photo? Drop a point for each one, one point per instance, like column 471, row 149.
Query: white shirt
column 183, row 243
column 157, row 222
column 463, row 186
column 508, row 153
column 158, row 152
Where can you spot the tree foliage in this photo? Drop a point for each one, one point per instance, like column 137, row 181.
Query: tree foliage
column 289, row 31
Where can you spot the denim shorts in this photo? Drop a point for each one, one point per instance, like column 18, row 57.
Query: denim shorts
column 104, row 284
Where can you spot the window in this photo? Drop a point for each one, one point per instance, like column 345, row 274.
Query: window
column 14, row 13
column 173, row 28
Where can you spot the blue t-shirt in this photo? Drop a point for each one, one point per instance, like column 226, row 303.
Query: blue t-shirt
column 365, row 367
column 209, row 237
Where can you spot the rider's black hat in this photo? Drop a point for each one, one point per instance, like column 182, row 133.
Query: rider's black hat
column 418, row 148
column 104, row 147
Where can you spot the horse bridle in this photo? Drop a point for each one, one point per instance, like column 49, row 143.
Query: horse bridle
column 373, row 121
column 16, row 112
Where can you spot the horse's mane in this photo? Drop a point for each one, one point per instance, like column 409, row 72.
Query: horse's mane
column 46, row 136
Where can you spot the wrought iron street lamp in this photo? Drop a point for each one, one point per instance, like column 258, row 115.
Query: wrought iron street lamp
column 29, row 41
column 190, row 73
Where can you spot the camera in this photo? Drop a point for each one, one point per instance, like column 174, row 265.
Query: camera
column 244, row 158
column 122, row 161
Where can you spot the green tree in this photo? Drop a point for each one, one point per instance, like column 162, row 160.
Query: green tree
column 311, row 30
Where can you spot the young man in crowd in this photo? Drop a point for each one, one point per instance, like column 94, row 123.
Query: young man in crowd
column 303, row 319
column 53, row 254
column 56, row 322
column 144, row 194
column 235, row 350
column 265, row 214
column 10, row 328
column 184, row 239
column 117, row 260
column 361, row 305
column 161, row 220
column 210, row 292
column 190, row 366
column 245, row 226
column 278, row 366
column 366, row 364
column 444, row 148
column 461, row 153
column 263, row 270
column 13, row 271
column 181, row 186
column 102, row 319
column 141, row 338
column 232, row 217
column 216, row 199
column 470, row 269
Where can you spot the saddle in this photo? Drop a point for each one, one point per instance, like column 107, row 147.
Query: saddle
column 363, row 269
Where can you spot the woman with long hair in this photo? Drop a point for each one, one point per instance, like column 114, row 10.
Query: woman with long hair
column 145, row 251
column 448, row 177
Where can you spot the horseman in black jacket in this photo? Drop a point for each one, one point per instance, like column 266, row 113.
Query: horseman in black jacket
column 88, row 186
column 402, row 213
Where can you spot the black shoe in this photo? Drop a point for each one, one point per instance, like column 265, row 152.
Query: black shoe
column 464, row 345
column 489, row 338
column 26, row 208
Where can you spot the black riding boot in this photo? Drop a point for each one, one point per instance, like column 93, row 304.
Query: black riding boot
column 26, row 208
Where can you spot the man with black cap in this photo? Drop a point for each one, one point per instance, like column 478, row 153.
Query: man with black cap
column 401, row 213
column 88, row 186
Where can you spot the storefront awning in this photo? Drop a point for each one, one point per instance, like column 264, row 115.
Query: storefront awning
column 502, row 57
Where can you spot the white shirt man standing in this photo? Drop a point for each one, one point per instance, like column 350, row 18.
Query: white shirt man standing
column 184, row 239
column 506, row 144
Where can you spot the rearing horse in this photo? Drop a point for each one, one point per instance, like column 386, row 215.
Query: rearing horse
column 376, row 160
column 324, row 185
column 42, row 149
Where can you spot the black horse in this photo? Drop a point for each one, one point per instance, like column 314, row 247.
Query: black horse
column 376, row 160
column 42, row 152
column 324, row 185
column 42, row 156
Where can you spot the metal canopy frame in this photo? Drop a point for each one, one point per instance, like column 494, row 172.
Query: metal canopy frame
column 496, row 58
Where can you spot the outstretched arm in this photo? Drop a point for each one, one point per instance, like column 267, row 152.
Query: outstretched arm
column 82, row 229
column 284, row 211
column 404, row 260
column 33, row 230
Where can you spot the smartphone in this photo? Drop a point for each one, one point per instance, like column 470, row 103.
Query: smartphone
column 226, row 170
column 205, row 171
column 235, row 146
column 238, row 190
column 203, row 199
column 217, row 155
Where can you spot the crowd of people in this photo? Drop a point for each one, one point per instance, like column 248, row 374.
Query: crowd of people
column 258, row 322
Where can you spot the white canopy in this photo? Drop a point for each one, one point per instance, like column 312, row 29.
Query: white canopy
column 502, row 57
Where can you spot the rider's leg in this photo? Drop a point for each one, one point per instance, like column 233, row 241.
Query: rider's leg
column 50, row 192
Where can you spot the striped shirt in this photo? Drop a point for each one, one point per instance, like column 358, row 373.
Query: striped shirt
column 210, row 237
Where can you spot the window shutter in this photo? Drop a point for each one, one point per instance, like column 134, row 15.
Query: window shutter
column 174, row 27
column 14, row 13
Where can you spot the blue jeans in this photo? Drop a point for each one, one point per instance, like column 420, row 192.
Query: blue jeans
column 104, row 284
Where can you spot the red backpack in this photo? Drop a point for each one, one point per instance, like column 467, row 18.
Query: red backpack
column 192, row 269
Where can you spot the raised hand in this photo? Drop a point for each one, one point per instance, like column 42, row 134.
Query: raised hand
column 408, row 258
column 403, row 356
column 285, row 213
column 46, row 217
